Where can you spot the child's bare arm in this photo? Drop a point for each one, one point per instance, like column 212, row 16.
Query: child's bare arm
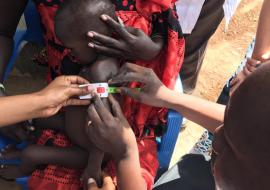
column 56, row 122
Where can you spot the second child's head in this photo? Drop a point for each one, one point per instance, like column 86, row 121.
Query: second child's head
column 77, row 17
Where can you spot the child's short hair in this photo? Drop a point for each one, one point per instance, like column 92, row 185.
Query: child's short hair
column 75, row 18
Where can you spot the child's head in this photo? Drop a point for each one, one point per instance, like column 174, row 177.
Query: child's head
column 75, row 18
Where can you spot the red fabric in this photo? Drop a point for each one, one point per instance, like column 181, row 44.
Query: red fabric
column 166, row 65
column 55, row 177
column 148, row 7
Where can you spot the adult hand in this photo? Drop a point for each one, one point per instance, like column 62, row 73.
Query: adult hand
column 107, row 184
column 152, row 93
column 251, row 66
column 131, row 43
column 110, row 132
column 63, row 92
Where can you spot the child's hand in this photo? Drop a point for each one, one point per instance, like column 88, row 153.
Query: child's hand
column 110, row 132
column 18, row 132
column 131, row 43
column 107, row 184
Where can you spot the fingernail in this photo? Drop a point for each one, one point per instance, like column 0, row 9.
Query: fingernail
column 91, row 45
column 91, row 34
column 89, row 123
column 90, row 88
column 104, row 17
column 91, row 180
column 266, row 56
column 118, row 90
column 31, row 128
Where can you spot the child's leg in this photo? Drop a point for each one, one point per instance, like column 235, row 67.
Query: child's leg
column 36, row 155
column 75, row 129
column 93, row 169
column 56, row 122
column 75, row 121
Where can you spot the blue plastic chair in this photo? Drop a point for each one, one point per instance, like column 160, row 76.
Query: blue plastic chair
column 168, row 140
column 33, row 33
column 4, row 141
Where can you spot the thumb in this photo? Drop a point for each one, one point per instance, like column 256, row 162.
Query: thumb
column 92, row 184
column 108, row 183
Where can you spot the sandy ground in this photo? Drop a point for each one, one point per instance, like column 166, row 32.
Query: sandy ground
column 224, row 53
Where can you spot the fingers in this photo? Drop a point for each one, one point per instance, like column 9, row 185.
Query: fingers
column 131, row 92
column 104, row 40
column 92, row 185
column 252, row 64
column 106, row 50
column 77, row 91
column 130, row 72
column 246, row 71
column 93, row 116
column 76, row 80
column 117, row 27
column 102, row 111
column 116, row 109
column 234, row 81
column 77, row 102
column 108, row 183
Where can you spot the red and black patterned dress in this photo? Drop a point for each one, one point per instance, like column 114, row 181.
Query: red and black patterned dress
column 151, row 16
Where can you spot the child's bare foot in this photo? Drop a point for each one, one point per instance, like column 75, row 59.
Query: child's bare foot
column 10, row 172
column 93, row 169
column 10, row 153
column 9, row 147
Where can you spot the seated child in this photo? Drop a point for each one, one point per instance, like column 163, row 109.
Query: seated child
column 72, row 33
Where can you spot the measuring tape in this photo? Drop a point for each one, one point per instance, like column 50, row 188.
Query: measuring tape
column 102, row 89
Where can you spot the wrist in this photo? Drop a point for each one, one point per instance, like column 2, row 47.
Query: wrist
column 129, row 154
column 164, row 95
column 41, row 105
column 130, row 150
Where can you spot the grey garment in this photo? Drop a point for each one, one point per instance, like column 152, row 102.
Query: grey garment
column 192, row 172
column 211, row 15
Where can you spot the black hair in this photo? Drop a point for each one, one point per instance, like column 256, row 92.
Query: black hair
column 75, row 18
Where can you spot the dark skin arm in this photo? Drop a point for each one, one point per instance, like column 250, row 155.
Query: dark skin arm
column 112, row 133
column 10, row 14
column 131, row 43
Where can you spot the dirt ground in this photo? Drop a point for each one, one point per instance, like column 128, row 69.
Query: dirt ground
column 224, row 54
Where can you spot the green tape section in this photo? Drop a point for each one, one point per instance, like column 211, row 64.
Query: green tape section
column 113, row 90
